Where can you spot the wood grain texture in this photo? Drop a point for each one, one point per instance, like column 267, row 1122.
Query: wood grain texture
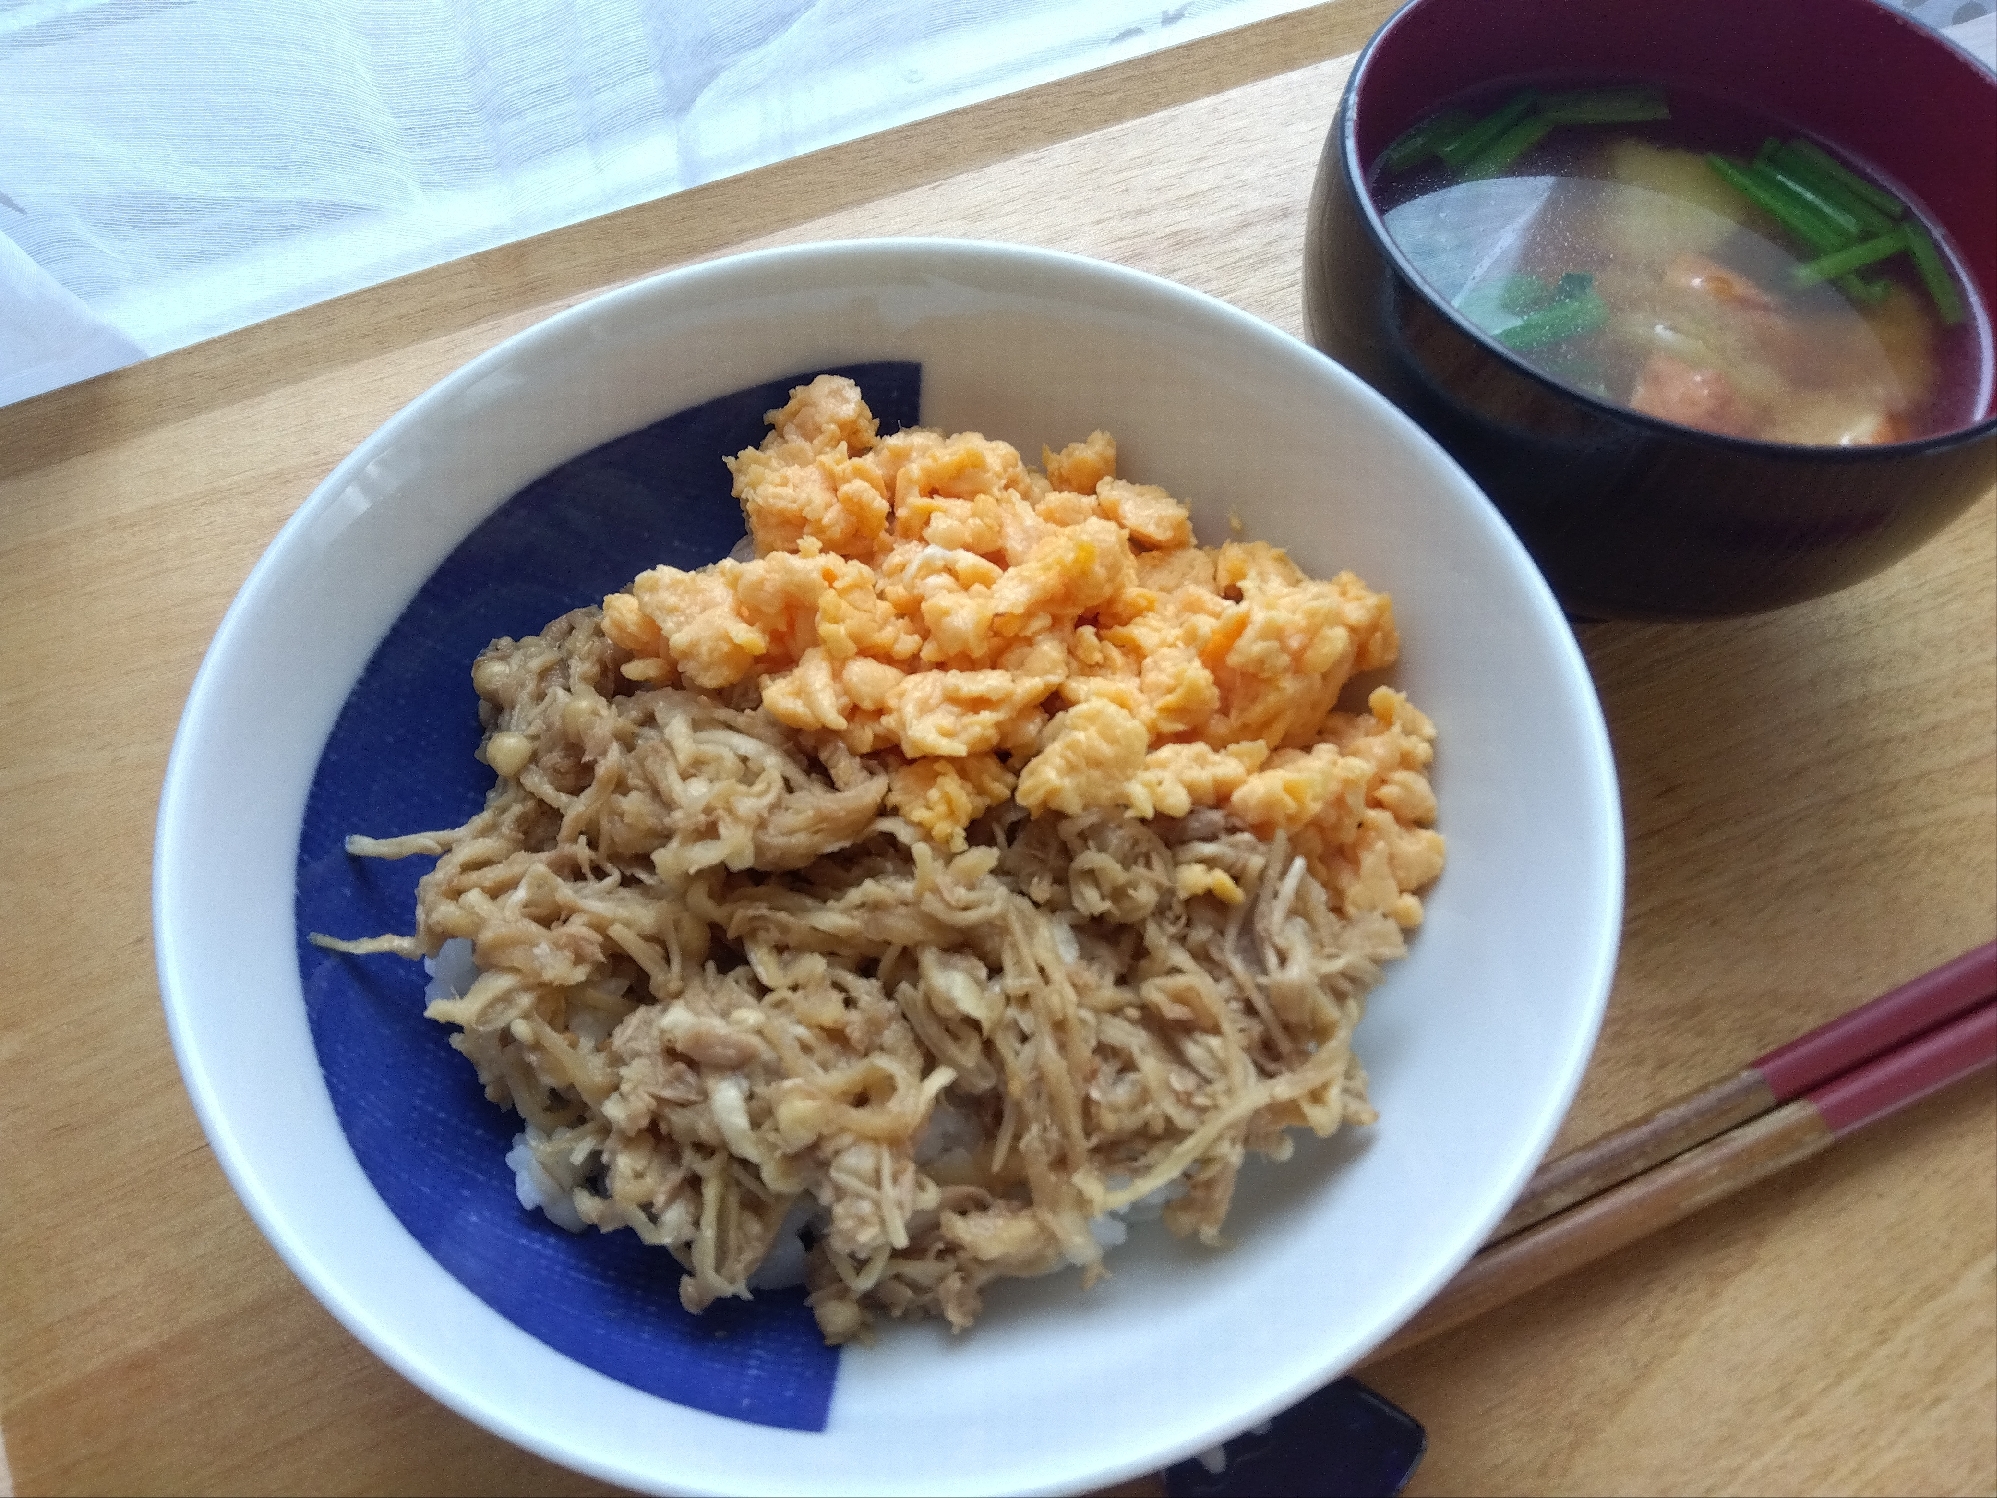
column 1616, row 1218
column 1811, row 799
column 1602, row 1163
column 1819, row 1334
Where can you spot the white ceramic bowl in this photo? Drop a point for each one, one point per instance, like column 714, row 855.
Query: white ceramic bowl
column 1474, row 1044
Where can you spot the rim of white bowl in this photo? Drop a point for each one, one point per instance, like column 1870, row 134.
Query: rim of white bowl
column 392, row 1342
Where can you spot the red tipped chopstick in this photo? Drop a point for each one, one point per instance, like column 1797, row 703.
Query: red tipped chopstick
column 1852, row 1072
column 1784, row 1074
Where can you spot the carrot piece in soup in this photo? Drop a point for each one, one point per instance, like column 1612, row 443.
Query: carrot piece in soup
column 1691, row 272
column 1672, row 390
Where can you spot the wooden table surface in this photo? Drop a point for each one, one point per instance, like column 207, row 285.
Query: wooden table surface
column 1811, row 800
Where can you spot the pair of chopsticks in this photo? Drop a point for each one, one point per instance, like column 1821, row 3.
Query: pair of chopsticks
column 1782, row 1108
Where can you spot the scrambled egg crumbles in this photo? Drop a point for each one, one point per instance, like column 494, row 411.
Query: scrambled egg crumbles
column 982, row 858
column 1054, row 636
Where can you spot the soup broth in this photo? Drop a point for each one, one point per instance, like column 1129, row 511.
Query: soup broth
column 1656, row 263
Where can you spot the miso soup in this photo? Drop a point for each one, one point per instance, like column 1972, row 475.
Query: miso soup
column 1686, row 259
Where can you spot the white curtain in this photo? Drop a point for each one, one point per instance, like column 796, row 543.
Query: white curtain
column 173, row 169
column 180, row 168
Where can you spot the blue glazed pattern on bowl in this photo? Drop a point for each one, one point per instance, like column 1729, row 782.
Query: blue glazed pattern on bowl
column 400, row 759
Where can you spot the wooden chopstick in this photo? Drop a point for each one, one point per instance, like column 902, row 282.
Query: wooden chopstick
column 1719, row 1167
column 1783, row 1074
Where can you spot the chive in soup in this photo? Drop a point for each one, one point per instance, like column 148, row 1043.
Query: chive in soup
column 1675, row 255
